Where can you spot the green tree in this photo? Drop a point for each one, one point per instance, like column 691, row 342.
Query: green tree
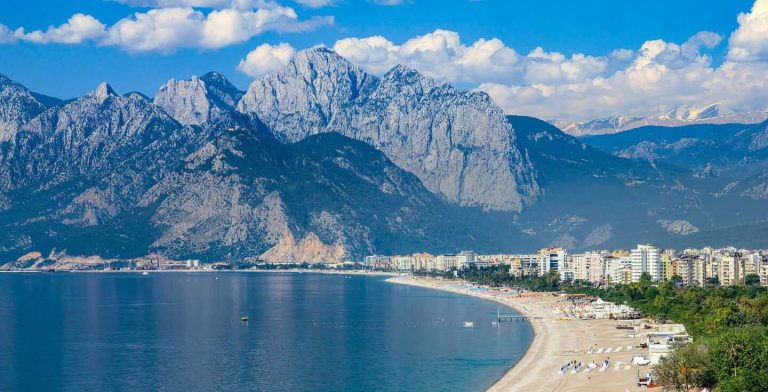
column 740, row 359
column 687, row 367
column 645, row 279
column 752, row 280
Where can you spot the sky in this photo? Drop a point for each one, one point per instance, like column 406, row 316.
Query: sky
column 556, row 59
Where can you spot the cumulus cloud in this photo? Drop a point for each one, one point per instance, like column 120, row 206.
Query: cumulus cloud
column 219, row 4
column 750, row 41
column 6, row 35
column 315, row 3
column 265, row 59
column 654, row 78
column 167, row 29
column 442, row 54
column 77, row 29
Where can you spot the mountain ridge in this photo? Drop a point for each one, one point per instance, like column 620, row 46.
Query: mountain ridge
column 391, row 164
column 680, row 116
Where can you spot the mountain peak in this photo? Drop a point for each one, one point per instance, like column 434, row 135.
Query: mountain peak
column 401, row 71
column 102, row 92
column 693, row 113
column 215, row 77
column 321, row 59
column 197, row 100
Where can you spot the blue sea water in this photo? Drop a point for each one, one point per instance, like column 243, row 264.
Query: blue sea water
column 306, row 332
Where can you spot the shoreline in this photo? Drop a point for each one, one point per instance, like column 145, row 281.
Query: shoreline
column 556, row 341
column 533, row 346
column 294, row 270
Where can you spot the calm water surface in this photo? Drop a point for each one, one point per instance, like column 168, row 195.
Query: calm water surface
column 307, row 332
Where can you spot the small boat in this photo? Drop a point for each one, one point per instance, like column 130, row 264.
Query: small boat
column 469, row 324
column 244, row 318
column 145, row 273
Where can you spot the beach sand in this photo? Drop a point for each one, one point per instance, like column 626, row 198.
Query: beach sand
column 558, row 341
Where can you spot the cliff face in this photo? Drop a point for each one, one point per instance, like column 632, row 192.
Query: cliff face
column 117, row 176
column 18, row 105
column 457, row 142
column 198, row 100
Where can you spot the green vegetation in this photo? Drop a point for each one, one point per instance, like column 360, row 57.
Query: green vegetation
column 729, row 325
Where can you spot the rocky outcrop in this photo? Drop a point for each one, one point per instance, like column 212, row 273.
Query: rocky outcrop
column 309, row 250
column 457, row 142
column 678, row 226
column 18, row 105
column 198, row 100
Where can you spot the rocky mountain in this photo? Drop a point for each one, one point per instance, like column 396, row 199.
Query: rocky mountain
column 728, row 150
column 116, row 176
column 680, row 116
column 457, row 142
column 595, row 199
column 18, row 105
column 324, row 162
column 199, row 100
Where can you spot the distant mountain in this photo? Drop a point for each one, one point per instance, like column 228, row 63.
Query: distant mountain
column 593, row 199
column 729, row 150
column 457, row 142
column 680, row 116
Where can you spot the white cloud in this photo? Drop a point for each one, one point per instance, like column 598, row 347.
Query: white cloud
column 315, row 3
column 441, row 54
column 168, row 29
column 6, row 35
column 265, row 59
column 661, row 77
column 655, row 78
column 750, row 41
column 77, row 29
column 162, row 29
column 218, row 4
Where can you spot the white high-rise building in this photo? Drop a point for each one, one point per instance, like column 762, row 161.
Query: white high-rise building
column 646, row 258
column 555, row 259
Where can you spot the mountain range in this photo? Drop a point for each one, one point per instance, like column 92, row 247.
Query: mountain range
column 322, row 161
column 680, row 116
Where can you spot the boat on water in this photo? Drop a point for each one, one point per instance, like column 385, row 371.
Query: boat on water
column 244, row 318
column 469, row 324
column 145, row 273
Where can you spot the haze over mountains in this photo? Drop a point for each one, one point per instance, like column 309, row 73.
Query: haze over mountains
column 322, row 161
column 680, row 116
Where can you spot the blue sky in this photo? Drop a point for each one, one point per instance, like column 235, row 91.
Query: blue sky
column 61, row 65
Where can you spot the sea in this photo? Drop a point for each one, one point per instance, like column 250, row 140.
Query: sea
column 182, row 331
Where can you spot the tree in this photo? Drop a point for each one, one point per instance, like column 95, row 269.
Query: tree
column 645, row 279
column 752, row 280
column 553, row 280
column 687, row 367
column 740, row 359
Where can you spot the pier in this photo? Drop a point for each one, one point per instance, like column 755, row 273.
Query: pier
column 512, row 318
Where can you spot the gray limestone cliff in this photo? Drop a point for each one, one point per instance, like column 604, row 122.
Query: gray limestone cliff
column 457, row 142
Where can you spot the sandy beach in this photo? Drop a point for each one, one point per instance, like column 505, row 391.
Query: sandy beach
column 558, row 341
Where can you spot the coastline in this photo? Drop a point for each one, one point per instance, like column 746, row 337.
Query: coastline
column 555, row 342
column 294, row 271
